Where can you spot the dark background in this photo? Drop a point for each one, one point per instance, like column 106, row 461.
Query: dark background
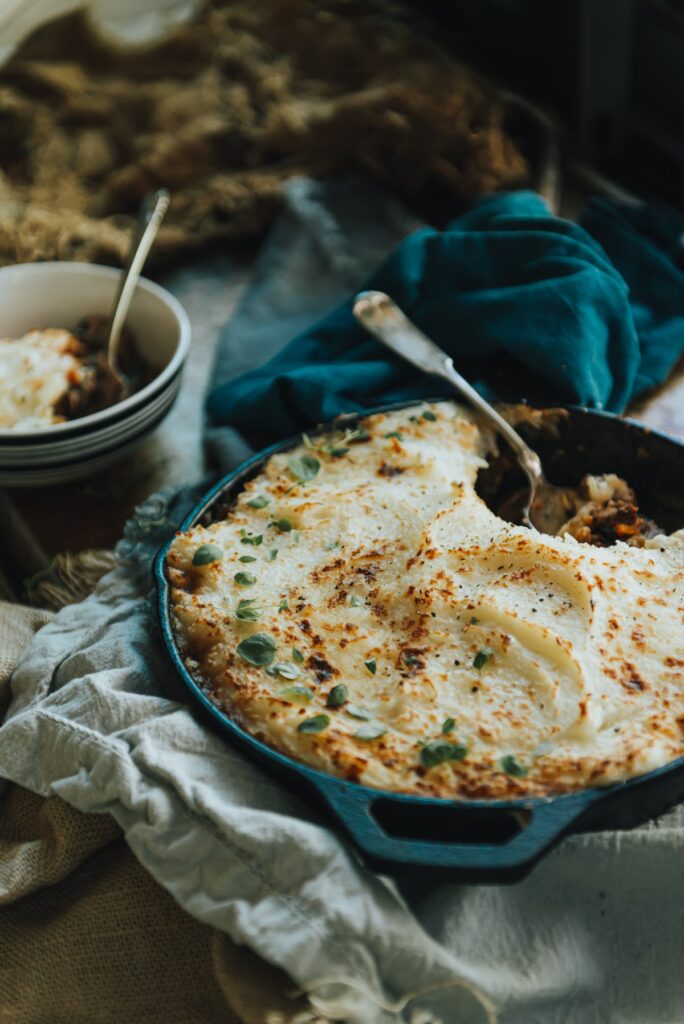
column 612, row 70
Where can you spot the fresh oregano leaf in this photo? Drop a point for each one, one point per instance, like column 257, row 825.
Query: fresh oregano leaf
column 337, row 696
column 303, row 467
column 298, row 694
column 513, row 767
column 247, row 611
column 316, row 724
column 438, row 751
column 258, row 649
column 481, row 659
column 250, row 539
column 370, row 731
column 357, row 435
column 207, row 554
column 285, row 669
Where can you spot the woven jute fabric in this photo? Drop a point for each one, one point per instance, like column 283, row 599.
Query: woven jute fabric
column 88, row 937
column 222, row 112
column 17, row 626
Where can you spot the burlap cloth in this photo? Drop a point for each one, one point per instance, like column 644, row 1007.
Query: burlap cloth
column 88, row 937
column 223, row 111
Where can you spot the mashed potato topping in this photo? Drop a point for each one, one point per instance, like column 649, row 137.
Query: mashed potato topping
column 36, row 371
column 361, row 609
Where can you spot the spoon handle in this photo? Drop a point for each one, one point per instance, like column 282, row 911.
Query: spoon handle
column 151, row 214
column 380, row 315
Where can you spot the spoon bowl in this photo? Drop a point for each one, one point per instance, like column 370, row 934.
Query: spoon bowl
column 381, row 316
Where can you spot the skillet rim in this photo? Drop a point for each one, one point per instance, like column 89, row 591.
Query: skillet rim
column 572, row 804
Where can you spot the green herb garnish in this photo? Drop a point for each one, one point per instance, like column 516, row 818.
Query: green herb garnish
column 355, row 602
column 244, row 579
column 481, row 659
column 316, row 724
column 448, row 725
column 284, row 669
column 371, row 666
column 246, row 611
column 395, row 433
column 513, row 767
column 337, row 696
column 427, row 415
column 356, row 712
column 260, row 502
column 473, row 620
column 297, row 655
column 207, row 554
column 258, row 649
column 246, row 558
column 273, row 554
column 298, row 694
column 303, row 467
column 283, row 606
column 438, row 751
column 371, row 731
column 357, row 434
column 284, row 525
column 410, row 659
column 250, row 539
column 336, row 453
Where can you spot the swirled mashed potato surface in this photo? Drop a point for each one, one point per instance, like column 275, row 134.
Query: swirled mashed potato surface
column 361, row 609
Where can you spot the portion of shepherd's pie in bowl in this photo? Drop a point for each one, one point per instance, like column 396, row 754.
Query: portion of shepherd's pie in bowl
column 37, row 371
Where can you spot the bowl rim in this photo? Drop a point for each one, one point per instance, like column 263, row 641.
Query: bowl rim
column 103, row 417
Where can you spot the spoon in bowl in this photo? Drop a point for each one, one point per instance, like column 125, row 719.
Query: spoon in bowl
column 380, row 315
column 150, row 216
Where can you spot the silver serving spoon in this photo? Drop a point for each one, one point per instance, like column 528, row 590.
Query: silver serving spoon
column 150, row 216
column 380, row 315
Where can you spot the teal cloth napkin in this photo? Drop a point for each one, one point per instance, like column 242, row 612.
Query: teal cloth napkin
column 529, row 305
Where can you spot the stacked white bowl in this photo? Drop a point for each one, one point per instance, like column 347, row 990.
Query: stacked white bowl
column 40, row 295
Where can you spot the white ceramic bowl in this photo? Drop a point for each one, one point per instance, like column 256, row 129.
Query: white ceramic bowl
column 59, row 295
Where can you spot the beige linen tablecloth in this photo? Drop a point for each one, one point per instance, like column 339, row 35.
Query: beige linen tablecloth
column 88, row 937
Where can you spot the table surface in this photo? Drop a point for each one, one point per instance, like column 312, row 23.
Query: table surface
column 36, row 524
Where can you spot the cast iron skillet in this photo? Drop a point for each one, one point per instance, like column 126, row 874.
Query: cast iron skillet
column 474, row 840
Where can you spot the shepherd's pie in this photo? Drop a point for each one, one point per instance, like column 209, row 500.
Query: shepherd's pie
column 361, row 609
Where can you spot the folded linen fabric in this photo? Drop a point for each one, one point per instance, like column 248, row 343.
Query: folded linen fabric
column 528, row 304
column 97, row 717
column 111, row 943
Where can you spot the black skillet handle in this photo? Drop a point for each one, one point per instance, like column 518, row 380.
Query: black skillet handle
column 395, row 829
